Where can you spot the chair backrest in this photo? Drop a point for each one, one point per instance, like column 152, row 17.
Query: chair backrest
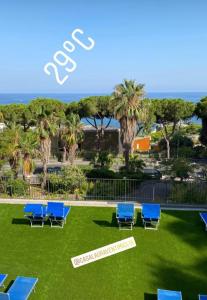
column 150, row 210
column 202, row 297
column 35, row 209
column 22, row 287
column 55, row 209
column 4, row 296
column 125, row 209
column 167, row 295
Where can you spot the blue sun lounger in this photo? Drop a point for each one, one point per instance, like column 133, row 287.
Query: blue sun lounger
column 36, row 214
column 2, row 279
column 203, row 216
column 125, row 215
column 202, row 297
column 150, row 215
column 20, row 289
column 168, row 295
column 57, row 213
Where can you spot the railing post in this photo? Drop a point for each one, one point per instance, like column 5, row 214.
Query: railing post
column 125, row 188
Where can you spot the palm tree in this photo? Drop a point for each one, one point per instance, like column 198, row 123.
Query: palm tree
column 71, row 134
column 128, row 110
column 46, row 113
column 10, row 147
column 29, row 150
column 46, row 129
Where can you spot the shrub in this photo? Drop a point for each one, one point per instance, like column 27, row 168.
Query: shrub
column 71, row 179
column 103, row 159
column 189, row 193
column 181, row 168
column 102, row 173
column 17, row 187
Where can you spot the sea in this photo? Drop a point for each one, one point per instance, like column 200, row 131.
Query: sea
column 8, row 98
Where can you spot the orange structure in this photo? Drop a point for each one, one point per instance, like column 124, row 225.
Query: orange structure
column 141, row 144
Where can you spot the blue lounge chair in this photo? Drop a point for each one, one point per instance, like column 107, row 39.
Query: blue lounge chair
column 202, row 297
column 57, row 213
column 20, row 289
column 2, row 279
column 125, row 215
column 36, row 214
column 150, row 215
column 168, row 295
column 203, row 216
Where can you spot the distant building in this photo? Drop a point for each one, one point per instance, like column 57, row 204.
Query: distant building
column 141, row 144
column 109, row 142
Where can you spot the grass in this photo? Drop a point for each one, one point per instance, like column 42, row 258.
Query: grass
column 174, row 257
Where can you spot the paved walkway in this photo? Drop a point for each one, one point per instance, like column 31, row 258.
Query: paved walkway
column 100, row 203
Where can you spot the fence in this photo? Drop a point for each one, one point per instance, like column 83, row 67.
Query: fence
column 114, row 189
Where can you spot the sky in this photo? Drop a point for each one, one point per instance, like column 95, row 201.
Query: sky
column 160, row 43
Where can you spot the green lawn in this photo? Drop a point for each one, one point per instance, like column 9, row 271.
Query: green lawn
column 174, row 257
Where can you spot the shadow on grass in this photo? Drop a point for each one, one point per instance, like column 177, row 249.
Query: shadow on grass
column 190, row 280
column 113, row 223
column 148, row 296
column 138, row 220
column 20, row 221
column 9, row 285
column 188, row 227
column 104, row 223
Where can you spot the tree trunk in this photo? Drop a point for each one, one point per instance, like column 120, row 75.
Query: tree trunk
column 128, row 132
column 27, row 166
column 168, row 148
column 126, row 158
column 72, row 153
column 45, row 155
column 64, row 154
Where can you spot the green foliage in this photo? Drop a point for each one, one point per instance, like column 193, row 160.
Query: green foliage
column 136, row 165
column 10, row 146
column 200, row 151
column 201, row 108
column 181, row 168
column 97, row 107
column 102, row 173
column 104, row 189
column 156, row 136
column 135, row 168
column 129, row 109
column 17, row 187
column 17, row 114
column 103, row 159
column 71, row 134
column 189, row 193
column 71, row 179
column 180, row 140
column 180, row 145
column 168, row 113
column 191, row 129
column 172, row 110
column 201, row 112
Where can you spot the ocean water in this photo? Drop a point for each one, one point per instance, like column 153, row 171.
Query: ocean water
column 7, row 98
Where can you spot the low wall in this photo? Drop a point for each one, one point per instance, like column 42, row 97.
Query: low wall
column 100, row 203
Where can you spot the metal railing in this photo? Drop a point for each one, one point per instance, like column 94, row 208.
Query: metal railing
column 112, row 189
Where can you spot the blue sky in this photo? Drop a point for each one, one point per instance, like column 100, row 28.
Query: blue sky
column 161, row 43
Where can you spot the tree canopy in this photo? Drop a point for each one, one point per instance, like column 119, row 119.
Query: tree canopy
column 169, row 113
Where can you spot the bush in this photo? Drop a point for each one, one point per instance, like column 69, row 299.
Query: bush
column 17, row 187
column 70, row 179
column 102, row 173
column 181, row 168
column 103, row 159
column 189, row 193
